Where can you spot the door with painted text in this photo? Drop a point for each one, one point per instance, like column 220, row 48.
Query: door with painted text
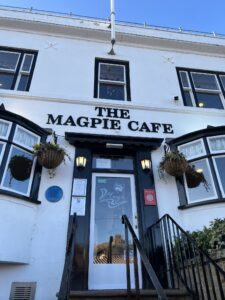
column 113, row 195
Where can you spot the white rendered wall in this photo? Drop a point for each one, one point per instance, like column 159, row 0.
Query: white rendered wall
column 63, row 83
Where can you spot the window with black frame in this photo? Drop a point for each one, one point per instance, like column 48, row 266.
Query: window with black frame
column 207, row 155
column 203, row 89
column 16, row 68
column 112, row 80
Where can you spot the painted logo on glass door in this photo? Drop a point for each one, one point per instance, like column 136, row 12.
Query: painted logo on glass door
column 112, row 200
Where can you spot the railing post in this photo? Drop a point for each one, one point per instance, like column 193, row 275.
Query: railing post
column 127, row 251
column 137, row 289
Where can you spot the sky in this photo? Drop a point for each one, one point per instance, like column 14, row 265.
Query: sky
column 198, row 15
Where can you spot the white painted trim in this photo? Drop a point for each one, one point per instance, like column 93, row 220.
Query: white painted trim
column 8, row 130
column 210, row 148
column 11, row 70
column 29, row 132
column 93, row 267
column 6, row 169
column 218, row 175
column 3, row 150
column 212, row 181
column 193, row 142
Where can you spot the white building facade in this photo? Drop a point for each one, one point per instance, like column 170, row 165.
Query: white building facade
column 162, row 87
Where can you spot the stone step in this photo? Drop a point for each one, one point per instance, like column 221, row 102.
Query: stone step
column 176, row 294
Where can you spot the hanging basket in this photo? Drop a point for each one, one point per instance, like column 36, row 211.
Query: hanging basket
column 193, row 178
column 175, row 168
column 50, row 158
column 20, row 167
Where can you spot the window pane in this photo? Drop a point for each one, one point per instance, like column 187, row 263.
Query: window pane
column 4, row 129
column 27, row 63
column 9, row 182
column 200, row 193
column 184, row 79
column 113, row 163
column 112, row 200
column 222, row 77
column 1, row 151
column 220, row 167
column 209, row 100
column 205, row 81
column 111, row 72
column 111, row 91
column 217, row 143
column 8, row 60
column 187, row 98
column 6, row 81
column 25, row 137
column 193, row 149
column 23, row 83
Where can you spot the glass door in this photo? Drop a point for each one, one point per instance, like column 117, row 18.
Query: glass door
column 112, row 196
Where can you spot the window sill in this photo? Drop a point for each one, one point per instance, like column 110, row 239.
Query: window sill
column 186, row 206
column 20, row 197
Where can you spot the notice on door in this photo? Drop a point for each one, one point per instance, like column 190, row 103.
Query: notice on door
column 79, row 187
column 149, row 197
column 78, row 206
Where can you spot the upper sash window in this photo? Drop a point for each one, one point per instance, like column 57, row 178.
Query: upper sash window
column 202, row 89
column 112, row 80
column 16, row 68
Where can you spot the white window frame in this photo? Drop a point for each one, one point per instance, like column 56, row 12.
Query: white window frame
column 11, row 70
column 209, row 91
column 211, row 138
column 6, row 169
column 189, row 85
column 119, row 83
column 8, row 131
column 193, row 142
column 217, row 173
column 213, row 186
column 217, row 91
column 28, row 131
column 187, row 89
column 3, row 150
column 21, row 72
column 223, row 85
column 193, row 89
column 24, row 57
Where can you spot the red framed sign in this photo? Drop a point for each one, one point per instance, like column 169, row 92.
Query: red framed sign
column 149, row 197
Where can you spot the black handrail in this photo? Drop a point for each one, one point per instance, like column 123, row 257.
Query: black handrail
column 64, row 291
column 186, row 262
column 145, row 261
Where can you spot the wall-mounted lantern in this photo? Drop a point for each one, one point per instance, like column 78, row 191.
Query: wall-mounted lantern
column 146, row 164
column 81, row 162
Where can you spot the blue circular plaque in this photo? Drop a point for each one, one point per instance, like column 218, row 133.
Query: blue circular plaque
column 54, row 193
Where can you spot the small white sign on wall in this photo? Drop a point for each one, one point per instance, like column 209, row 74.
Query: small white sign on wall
column 78, row 206
column 79, row 187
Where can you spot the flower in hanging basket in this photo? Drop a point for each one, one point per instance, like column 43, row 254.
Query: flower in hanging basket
column 20, row 167
column 195, row 177
column 49, row 155
column 174, row 163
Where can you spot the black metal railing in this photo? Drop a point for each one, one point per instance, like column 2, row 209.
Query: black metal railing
column 184, row 262
column 145, row 262
column 64, row 291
